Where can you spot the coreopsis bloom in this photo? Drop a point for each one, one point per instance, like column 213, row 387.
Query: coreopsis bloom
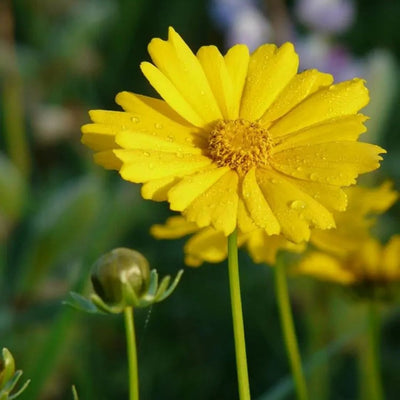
column 372, row 264
column 238, row 137
column 209, row 245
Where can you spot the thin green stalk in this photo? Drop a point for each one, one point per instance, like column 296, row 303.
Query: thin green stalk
column 289, row 332
column 237, row 316
column 132, row 356
column 373, row 375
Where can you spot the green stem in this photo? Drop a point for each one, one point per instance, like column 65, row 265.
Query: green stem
column 289, row 332
column 373, row 360
column 237, row 316
column 132, row 356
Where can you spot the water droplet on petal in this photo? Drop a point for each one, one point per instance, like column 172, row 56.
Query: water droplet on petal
column 170, row 138
column 179, row 155
column 313, row 176
column 298, row 205
column 146, row 154
column 135, row 120
column 151, row 166
column 157, row 125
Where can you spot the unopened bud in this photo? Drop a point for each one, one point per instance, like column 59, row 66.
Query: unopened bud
column 7, row 367
column 117, row 268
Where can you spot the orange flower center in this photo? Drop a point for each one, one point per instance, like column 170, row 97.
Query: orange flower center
column 239, row 145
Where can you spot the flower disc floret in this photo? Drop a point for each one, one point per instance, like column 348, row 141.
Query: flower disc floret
column 239, row 145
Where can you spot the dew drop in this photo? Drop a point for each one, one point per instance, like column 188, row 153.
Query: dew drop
column 135, row 120
column 297, row 205
column 157, row 125
column 202, row 92
column 146, row 154
column 151, row 166
column 170, row 138
column 179, row 154
column 313, row 176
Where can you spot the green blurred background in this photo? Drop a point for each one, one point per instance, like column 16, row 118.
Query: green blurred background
column 59, row 211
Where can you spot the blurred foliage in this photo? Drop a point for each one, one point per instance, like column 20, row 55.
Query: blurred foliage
column 59, row 212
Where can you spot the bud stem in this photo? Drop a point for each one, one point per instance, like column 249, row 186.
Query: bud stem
column 237, row 315
column 372, row 353
column 132, row 355
column 289, row 332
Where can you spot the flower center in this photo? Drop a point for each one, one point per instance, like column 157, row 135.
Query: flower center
column 239, row 145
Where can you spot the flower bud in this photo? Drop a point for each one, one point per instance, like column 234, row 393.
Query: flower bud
column 117, row 268
column 7, row 367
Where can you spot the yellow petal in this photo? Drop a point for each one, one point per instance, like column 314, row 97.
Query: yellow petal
column 175, row 227
column 170, row 94
column 270, row 70
column 325, row 267
column 208, row 245
column 157, row 189
column 391, row 258
column 144, row 141
column 237, row 62
column 331, row 197
column 158, row 109
column 98, row 142
column 179, row 65
column 300, row 87
column 144, row 165
column 245, row 222
column 257, row 206
column 218, row 205
column 189, row 188
column 346, row 128
column 336, row 163
column 294, row 209
column 263, row 248
column 219, row 80
column 345, row 98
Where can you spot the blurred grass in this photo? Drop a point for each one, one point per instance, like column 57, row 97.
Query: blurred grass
column 59, row 212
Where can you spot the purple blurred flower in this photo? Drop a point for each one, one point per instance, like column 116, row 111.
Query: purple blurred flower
column 328, row 16
column 316, row 51
column 242, row 21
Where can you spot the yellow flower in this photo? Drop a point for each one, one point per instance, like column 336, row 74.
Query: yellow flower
column 238, row 137
column 210, row 245
column 353, row 225
column 371, row 264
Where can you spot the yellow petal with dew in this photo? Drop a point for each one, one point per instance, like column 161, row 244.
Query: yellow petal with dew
column 218, row 205
column 158, row 189
column 245, row 222
column 155, row 109
column 347, row 128
column 175, row 227
column 301, row 86
column 257, row 206
column 335, row 163
column 177, row 62
column 144, row 165
column 143, row 141
column 214, row 67
column 345, row 98
column 237, row 63
column 270, row 70
column 191, row 187
column 295, row 210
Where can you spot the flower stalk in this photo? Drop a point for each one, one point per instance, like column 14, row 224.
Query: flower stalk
column 237, row 316
column 372, row 355
column 132, row 354
column 289, row 333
